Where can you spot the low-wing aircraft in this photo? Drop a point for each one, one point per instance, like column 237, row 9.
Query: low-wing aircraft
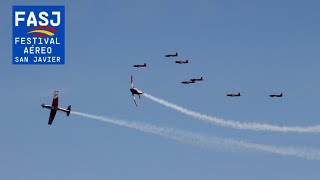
column 171, row 55
column 135, row 91
column 182, row 62
column 140, row 65
column 188, row 82
column 276, row 95
column 234, row 95
column 54, row 107
column 197, row 79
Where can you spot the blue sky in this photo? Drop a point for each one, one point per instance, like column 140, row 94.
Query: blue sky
column 252, row 47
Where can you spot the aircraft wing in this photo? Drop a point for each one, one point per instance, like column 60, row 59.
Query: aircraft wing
column 52, row 115
column 55, row 99
column 135, row 102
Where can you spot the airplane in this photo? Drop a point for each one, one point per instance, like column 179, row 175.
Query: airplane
column 140, row 65
column 234, row 95
column 188, row 82
column 197, row 79
column 171, row 55
column 276, row 95
column 182, row 62
column 54, row 107
column 135, row 91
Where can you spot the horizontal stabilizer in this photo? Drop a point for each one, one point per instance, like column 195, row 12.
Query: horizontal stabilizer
column 69, row 110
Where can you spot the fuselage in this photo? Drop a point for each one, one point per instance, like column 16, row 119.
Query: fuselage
column 135, row 91
column 140, row 65
column 187, row 82
column 182, row 62
column 171, row 55
column 54, row 108
column 197, row 79
column 276, row 95
column 234, row 95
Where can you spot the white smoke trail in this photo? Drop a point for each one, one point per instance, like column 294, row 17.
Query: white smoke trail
column 235, row 124
column 207, row 141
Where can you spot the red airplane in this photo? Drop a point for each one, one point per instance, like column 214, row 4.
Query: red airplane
column 182, row 62
column 276, row 95
column 135, row 91
column 172, row 55
column 54, row 108
column 140, row 65
column 197, row 79
column 188, row 82
column 234, row 95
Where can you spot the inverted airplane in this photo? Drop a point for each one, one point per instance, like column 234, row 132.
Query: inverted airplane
column 188, row 82
column 54, row 107
column 140, row 65
column 234, row 95
column 182, row 62
column 172, row 55
column 197, row 79
column 276, row 95
column 135, row 91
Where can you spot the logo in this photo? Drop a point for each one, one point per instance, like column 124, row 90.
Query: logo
column 38, row 35
column 42, row 31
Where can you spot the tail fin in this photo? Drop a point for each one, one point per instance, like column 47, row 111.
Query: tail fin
column 145, row 64
column 187, row 61
column 239, row 94
column 69, row 110
column 176, row 54
column 201, row 78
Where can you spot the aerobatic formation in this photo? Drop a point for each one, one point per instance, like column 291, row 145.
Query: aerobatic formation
column 134, row 91
column 190, row 81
